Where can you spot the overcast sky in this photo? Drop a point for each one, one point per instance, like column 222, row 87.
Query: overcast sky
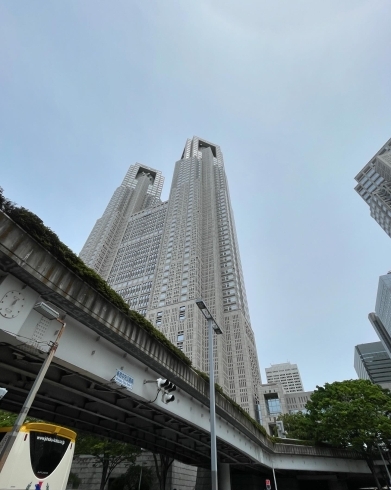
column 296, row 93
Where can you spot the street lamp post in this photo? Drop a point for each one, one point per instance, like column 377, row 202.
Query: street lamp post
column 51, row 314
column 212, row 326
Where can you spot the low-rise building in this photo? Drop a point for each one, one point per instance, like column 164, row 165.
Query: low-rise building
column 274, row 401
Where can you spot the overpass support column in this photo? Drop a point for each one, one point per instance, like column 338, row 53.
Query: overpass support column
column 224, row 476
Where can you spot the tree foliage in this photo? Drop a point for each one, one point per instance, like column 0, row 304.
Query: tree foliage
column 107, row 453
column 297, row 426
column 162, row 465
column 7, row 419
column 351, row 414
column 354, row 414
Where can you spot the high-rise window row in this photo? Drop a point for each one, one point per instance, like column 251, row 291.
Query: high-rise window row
column 287, row 375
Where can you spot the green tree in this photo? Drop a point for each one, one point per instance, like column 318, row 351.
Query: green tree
column 7, row 419
column 352, row 414
column 162, row 465
column 107, row 453
column 297, row 426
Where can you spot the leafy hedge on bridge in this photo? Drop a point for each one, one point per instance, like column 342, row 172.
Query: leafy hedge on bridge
column 220, row 390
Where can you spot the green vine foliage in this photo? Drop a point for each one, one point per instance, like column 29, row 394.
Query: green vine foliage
column 220, row 390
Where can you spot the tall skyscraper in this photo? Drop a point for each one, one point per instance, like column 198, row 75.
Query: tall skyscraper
column 287, row 375
column 161, row 257
column 374, row 186
column 140, row 189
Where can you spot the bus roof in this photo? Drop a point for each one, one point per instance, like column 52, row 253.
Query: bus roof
column 44, row 427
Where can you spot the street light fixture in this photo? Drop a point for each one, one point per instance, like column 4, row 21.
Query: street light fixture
column 51, row 314
column 212, row 326
column 207, row 314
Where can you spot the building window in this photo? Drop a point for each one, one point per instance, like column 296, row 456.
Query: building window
column 273, row 406
column 182, row 313
column 159, row 315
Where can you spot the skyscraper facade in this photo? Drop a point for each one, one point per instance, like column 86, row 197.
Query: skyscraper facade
column 372, row 362
column 287, row 375
column 140, row 189
column 374, row 186
column 161, row 257
column 381, row 318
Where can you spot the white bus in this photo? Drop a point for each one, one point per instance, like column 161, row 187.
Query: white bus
column 40, row 458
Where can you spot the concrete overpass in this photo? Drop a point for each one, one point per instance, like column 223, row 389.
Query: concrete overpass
column 79, row 392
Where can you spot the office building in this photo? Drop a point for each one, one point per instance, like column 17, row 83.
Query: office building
column 296, row 402
column 381, row 318
column 372, row 362
column 161, row 257
column 274, row 401
column 140, row 189
column 287, row 375
column 374, row 186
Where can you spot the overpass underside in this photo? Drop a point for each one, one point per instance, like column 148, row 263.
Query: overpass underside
column 72, row 399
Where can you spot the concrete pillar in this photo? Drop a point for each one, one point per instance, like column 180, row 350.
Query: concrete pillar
column 224, row 476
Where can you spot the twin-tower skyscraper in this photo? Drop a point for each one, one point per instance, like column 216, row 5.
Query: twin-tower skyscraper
column 162, row 256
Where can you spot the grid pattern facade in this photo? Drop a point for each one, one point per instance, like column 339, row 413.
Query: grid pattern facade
column 133, row 270
column 164, row 256
column 381, row 320
column 374, row 186
column 199, row 258
column 287, row 375
column 372, row 362
column 296, row 402
column 140, row 189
